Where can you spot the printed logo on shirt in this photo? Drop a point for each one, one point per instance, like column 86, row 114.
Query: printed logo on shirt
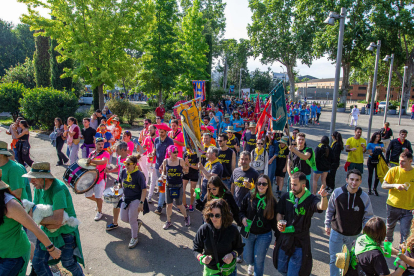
column 173, row 172
column 240, row 180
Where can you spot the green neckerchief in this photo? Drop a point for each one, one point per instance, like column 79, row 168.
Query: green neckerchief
column 262, row 200
column 216, row 197
column 363, row 244
column 302, row 199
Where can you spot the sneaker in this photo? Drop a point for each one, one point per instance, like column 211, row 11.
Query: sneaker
column 139, row 224
column 149, row 200
column 239, row 259
column 59, row 163
column 187, row 221
column 67, row 163
column 250, row 270
column 132, row 243
column 186, row 206
column 98, row 216
column 158, row 211
column 156, row 191
column 167, row 225
column 191, row 209
column 111, row 227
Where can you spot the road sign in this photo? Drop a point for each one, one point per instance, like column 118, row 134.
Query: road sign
column 327, row 93
column 231, row 88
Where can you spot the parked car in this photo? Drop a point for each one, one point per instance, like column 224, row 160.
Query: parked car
column 86, row 98
column 382, row 105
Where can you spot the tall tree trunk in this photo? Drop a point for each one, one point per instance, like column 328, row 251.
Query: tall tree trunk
column 346, row 70
column 159, row 96
column 209, row 41
column 101, row 96
column 408, row 85
column 291, row 76
column 369, row 89
column 96, row 98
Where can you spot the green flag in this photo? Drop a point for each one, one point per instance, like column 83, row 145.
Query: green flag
column 278, row 105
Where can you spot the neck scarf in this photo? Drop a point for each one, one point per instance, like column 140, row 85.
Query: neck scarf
column 333, row 143
column 297, row 201
column 261, row 201
column 129, row 178
column 258, row 152
column 363, row 244
column 209, row 164
column 232, row 138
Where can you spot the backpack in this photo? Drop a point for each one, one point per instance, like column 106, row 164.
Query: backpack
column 311, row 161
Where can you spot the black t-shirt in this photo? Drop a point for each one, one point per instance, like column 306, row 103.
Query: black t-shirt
column 234, row 141
column 133, row 187
column 301, row 164
column 88, row 134
column 193, row 160
column 250, row 140
column 281, row 158
column 225, row 158
column 216, row 168
column 238, row 177
column 373, row 263
column 306, row 209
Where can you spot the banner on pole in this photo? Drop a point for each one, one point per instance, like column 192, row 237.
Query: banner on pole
column 199, row 90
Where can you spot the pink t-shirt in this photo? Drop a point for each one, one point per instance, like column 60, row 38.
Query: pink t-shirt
column 180, row 138
column 131, row 147
column 148, row 143
column 101, row 168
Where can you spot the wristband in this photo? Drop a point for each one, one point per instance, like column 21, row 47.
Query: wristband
column 141, row 202
column 403, row 268
column 52, row 249
column 50, row 246
column 201, row 259
column 399, row 254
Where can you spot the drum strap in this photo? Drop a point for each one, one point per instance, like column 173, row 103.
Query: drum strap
column 73, row 174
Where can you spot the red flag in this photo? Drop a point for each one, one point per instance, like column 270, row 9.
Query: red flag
column 257, row 108
column 262, row 120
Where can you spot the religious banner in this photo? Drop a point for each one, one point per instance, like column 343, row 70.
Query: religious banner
column 191, row 127
column 199, row 90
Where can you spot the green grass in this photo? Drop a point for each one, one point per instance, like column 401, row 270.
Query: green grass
column 6, row 121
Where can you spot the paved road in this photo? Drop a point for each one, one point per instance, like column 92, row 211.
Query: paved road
column 159, row 252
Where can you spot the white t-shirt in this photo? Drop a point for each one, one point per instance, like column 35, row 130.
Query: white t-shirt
column 355, row 112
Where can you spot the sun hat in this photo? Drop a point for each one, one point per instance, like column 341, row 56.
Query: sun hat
column 211, row 129
column 342, row 260
column 39, row 170
column 230, row 129
column 227, row 116
column 2, row 184
column 252, row 124
column 284, row 140
column 3, row 148
column 163, row 127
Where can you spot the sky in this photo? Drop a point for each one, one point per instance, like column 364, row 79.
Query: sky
column 238, row 16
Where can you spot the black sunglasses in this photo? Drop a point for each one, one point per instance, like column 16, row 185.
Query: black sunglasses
column 260, row 143
column 175, row 152
column 264, row 184
column 211, row 189
column 220, row 141
column 211, row 215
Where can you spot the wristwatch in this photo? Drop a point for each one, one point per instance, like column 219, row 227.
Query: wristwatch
column 141, row 202
column 50, row 246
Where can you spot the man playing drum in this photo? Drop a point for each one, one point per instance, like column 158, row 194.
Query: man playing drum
column 100, row 158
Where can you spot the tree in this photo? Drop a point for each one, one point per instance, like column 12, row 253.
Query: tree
column 10, row 94
column 261, row 81
column 194, row 49
column 22, row 73
column 213, row 13
column 57, row 69
column 41, row 61
column 279, row 33
column 94, row 33
column 162, row 58
column 25, row 42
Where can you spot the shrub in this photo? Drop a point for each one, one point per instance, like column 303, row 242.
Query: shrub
column 118, row 107
column 150, row 115
column 22, row 73
column 216, row 94
column 171, row 101
column 145, row 109
column 10, row 94
column 392, row 107
column 132, row 112
column 341, row 105
column 152, row 103
column 42, row 105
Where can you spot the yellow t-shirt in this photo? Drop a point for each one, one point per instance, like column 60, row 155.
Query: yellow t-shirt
column 400, row 199
column 358, row 155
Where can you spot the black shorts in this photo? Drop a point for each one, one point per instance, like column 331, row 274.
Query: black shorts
column 280, row 173
column 193, row 178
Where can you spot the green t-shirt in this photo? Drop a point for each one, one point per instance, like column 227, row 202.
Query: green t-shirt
column 26, row 181
column 12, row 175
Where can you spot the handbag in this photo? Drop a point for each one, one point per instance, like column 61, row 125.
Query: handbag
column 174, row 192
column 243, row 231
column 76, row 141
column 225, row 269
column 25, row 147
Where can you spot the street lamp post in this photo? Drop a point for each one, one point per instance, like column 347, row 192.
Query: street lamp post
column 374, row 83
column 331, row 21
column 241, row 69
column 402, row 96
column 388, row 58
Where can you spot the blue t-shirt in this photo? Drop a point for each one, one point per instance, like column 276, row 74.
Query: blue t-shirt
column 220, row 116
column 302, row 112
column 295, row 112
column 161, row 149
column 290, row 113
column 224, row 125
column 108, row 136
column 228, row 102
column 371, row 146
column 307, row 111
column 313, row 108
column 318, row 109
column 240, row 123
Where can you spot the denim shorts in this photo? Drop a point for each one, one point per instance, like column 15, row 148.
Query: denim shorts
column 320, row 172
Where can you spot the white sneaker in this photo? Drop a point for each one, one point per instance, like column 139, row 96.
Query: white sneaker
column 132, row 243
column 250, row 270
column 98, row 216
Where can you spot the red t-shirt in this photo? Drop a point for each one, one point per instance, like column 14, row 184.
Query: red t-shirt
column 160, row 112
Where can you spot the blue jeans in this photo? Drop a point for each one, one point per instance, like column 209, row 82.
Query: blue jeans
column 336, row 240
column 272, row 171
column 290, row 266
column 255, row 249
column 302, row 120
column 227, row 184
column 11, row 266
column 67, row 258
column 16, row 154
column 161, row 198
column 404, row 217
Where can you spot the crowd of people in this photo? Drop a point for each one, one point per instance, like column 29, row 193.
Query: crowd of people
column 237, row 184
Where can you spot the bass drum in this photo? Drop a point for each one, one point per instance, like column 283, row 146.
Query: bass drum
column 80, row 179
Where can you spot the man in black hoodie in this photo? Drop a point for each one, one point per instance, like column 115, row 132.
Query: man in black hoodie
column 396, row 147
column 349, row 208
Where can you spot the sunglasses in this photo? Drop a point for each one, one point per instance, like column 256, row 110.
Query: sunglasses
column 260, row 143
column 146, row 124
column 211, row 215
column 128, row 164
column 211, row 189
column 220, row 141
column 264, row 184
column 158, row 118
column 175, row 152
